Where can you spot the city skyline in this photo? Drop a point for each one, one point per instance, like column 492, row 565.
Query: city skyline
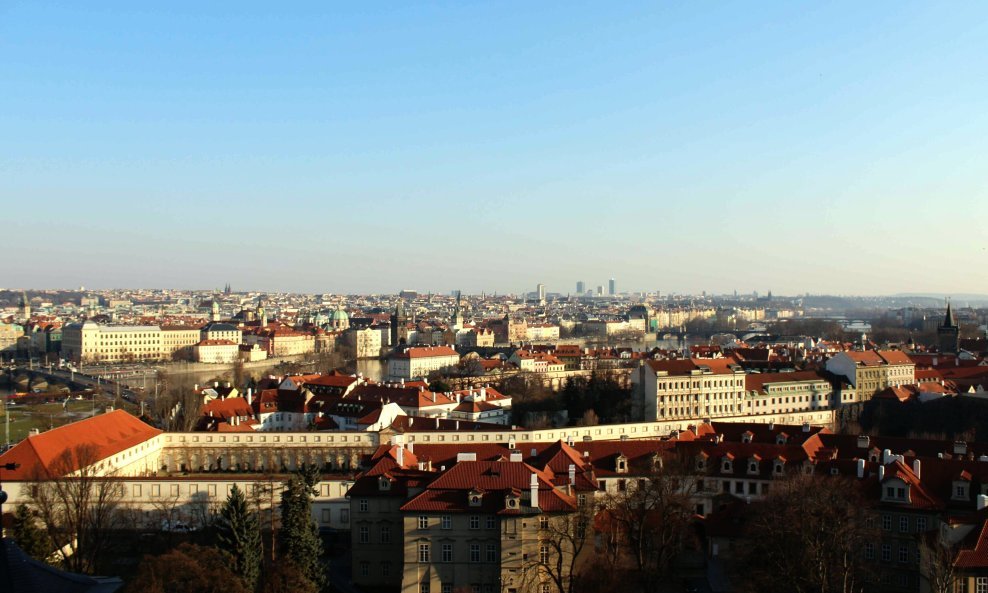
column 672, row 147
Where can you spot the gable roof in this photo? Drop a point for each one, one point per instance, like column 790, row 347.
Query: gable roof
column 109, row 433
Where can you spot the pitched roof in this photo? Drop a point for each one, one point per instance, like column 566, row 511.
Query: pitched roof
column 109, row 433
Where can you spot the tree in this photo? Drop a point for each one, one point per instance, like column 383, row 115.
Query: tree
column 299, row 539
column 78, row 504
column 651, row 520
column 284, row 577
column 807, row 535
column 238, row 533
column 937, row 562
column 562, row 538
column 177, row 408
column 189, row 569
column 30, row 538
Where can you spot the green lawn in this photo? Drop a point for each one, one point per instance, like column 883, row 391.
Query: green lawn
column 23, row 418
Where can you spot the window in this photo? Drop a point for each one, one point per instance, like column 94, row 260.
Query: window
column 981, row 585
column 447, row 553
column 544, row 554
column 887, row 522
column 364, row 568
column 424, row 555
column 447, row 522
column 385, row 534
column 475, row 521
column 345, row 516
column 424, row 587
column 492, row 522
column 869, row 551
column 491, row 553
column 543, row 522
column 447, row 587
column 423, row 522
column 363, row 505
column 545, row 588
column 886, row 552
column 385, row 569
column 474, row 552
column 903, row 554
column 904, row 524
column 364, row 534
column 921, row 524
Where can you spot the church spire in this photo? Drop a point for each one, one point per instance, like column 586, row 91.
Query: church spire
column 948, row 319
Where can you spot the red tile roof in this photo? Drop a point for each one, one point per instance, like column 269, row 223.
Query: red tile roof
column 108, row 433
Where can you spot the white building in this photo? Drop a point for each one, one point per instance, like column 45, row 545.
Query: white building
column 420, row 361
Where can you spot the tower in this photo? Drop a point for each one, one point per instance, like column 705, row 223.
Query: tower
column 581, row 287
column 25, row 306
column 398, row 321
column 456, row 323
column 611, row 287
column 540, row 289
column 263, row 316
column 948, row 333
column 215, row 314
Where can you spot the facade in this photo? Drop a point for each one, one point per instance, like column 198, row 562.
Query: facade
column 419, row 361
column 871, row 371
column 222, row 331
column 689, row 388
column 88, row 343
column 366, row 343
column 177, row 342
column 216, row 351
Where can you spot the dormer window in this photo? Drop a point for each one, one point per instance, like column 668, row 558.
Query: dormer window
column 701, row 463
column 476, row 498
column 746, row 437
column 960, row 491
column 781, row 438
column 753, row 466
column 778, row 467
column 384, row 484
column 726, row 465
column 622, row 464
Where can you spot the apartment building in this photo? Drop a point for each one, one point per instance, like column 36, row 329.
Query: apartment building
column 689, row 388
column 871, row 371
column 89, row 342
column 419, row 361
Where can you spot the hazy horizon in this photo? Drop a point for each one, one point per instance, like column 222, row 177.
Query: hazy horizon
column 833, row 149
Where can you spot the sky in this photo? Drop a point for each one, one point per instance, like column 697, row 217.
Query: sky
column 837, row 147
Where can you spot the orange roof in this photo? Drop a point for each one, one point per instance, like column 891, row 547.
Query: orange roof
column 109, row 433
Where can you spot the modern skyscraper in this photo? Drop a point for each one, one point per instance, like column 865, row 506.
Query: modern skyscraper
column 541, row 290
column 600, row 290
column 581, row 287
column 611, row 287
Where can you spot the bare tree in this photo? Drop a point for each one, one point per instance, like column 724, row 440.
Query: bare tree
column 178, row 405
column 937, row 563
column 808, row 535
column 77, row 501
column 650, row 521
column 562, row 538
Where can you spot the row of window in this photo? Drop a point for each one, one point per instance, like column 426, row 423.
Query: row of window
column 887, row 521
column 446, row 521
column 903, row 556
column 474, row 551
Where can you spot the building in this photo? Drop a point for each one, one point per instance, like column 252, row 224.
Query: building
column 581, row 287
column 366, row 343
column 216, row 351
column 611, row 287
column 177, row 342
column 88, row 343
column 871, row 371
column 420, row 361
column 222, row 331
column 689, row 388
column 948, row 333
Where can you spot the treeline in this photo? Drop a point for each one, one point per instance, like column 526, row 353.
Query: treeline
column 947, row 417
column 583, row 401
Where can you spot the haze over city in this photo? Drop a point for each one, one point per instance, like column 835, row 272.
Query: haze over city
column 833, row 148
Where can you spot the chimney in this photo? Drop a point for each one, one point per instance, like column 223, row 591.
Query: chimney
column 216, row 384
column 771, row 425
column 410, row 447
column 917, row 469
column 457, row 425
column 535, row 491
column 861, row 468
column 401, row 456
column 886, row 456
column 863, row 441
column 515, row 456
column 33, row 432
column 411, row 420
column 806, row 427
column 572, row 474
column 982, row 501
column 881, row 473
column 960, row 448
column 437, row 422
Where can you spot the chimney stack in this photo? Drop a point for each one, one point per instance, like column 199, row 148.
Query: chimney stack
column 861, row 468
column 982, row 501
column 535, row 491
column 917, row 469
column 881, row 473
column 401, row 456
column 572, row 474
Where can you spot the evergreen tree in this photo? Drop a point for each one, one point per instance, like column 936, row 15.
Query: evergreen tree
column 299, row 539
column 30, row 538
column 238, row 533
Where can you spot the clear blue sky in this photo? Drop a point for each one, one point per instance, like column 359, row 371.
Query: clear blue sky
column 821, row 147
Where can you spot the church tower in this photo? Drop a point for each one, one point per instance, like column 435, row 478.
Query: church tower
column 25, row 306
column 948, row 333
column 215, row 314
column 456, row 323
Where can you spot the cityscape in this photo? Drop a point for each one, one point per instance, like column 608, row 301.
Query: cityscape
column 493, row 298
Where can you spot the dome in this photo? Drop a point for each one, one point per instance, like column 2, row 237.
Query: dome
column 340, row 315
